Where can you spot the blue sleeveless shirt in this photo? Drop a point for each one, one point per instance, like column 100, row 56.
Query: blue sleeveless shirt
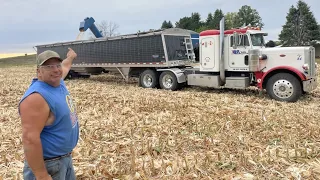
column 62, row 135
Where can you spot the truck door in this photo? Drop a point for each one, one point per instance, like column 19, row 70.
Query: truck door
column 207, row 53
column 238, row 57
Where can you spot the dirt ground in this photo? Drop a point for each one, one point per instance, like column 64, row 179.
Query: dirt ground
column 195, row 133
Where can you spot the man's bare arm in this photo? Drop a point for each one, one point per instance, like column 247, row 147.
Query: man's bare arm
column 34, row 113
column 66, row 63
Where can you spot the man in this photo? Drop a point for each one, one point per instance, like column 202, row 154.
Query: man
column 49, row 120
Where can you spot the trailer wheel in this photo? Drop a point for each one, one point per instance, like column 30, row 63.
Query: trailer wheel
column 284, row 87
column 148, row 79
column 168, row 81
column 70, row 75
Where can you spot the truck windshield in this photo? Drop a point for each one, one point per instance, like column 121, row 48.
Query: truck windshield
column 257, row 39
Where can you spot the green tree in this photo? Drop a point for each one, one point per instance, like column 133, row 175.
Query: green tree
column 207, row 24
column 218, row 14
column 230, row 20
column 184, row 23
column 271, row 44
column 195, row 21
column 248, row 16
column 202, row 28
column 191, row 23
column 170, row 25
column 166, row 24
column 301, row 27
column 278, row 43
column 209, row 21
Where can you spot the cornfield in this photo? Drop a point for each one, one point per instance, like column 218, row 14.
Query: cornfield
column 128, row 132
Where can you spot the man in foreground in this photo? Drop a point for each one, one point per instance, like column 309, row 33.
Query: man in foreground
column 50, row 128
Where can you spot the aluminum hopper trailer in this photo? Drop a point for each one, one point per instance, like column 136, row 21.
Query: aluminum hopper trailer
column 143, row 55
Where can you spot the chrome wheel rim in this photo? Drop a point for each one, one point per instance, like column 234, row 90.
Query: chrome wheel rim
column 167, row 81
column 147, row 80
column 283, row 88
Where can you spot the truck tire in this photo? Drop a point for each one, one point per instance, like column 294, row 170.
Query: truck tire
column 284, row 87
column 148, row 79
column 168, row 81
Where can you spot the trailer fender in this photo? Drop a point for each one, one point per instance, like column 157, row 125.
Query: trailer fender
column 181, row 77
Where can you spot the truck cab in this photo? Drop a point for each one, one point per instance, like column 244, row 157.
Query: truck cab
column 238, row 45
column 238, row 58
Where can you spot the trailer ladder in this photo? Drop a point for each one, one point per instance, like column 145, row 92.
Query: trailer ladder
column 189, row 48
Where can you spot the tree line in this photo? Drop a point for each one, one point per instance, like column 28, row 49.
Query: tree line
column 301, row 27
column 245, row 16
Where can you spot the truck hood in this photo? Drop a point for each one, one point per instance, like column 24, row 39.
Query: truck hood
column 288, row 57
column 284, row 50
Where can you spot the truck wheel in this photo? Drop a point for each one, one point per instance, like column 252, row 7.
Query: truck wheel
column 284, row 87
column 168, row 81
column 148, row 79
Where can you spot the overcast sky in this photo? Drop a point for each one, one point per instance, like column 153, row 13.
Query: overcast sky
column 26, row 23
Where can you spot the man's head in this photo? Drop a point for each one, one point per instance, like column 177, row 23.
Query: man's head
column 49, row 68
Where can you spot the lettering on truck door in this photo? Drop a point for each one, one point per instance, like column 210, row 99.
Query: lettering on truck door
column 238, row 57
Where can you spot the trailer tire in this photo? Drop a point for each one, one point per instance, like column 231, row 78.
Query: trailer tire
column 284, row 87
column 85, row 76
column 70, row 75
column 148, row 79
column 168, row 81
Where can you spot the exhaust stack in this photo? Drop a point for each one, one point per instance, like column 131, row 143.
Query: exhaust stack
column 222, row 69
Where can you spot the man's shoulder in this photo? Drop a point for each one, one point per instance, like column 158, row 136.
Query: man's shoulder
column 33, row 101
column 34, row 98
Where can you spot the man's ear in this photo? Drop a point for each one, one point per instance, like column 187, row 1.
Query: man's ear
column 38, row 71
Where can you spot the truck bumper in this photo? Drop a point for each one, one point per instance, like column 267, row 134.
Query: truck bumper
column 310, row 84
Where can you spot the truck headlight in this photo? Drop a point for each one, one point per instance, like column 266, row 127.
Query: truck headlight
column 305, row 67
column 263, row 57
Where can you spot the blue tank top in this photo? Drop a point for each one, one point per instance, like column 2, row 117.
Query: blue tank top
column 62, row 135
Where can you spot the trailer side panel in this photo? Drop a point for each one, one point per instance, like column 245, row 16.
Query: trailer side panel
column 146, row 49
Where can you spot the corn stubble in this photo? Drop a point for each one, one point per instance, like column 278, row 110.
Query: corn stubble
column 128, row 132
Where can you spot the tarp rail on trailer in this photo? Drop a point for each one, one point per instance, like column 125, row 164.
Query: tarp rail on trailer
column 161, row 48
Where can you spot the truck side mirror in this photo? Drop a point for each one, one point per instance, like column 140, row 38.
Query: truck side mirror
column 235, row 40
